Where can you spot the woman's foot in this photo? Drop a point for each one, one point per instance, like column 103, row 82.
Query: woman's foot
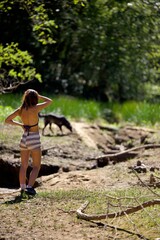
column 30, row 191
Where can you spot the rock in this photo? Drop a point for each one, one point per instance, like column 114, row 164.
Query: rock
column 153, row 169
column 140, row 167
column 152, row 179
column 66, row 169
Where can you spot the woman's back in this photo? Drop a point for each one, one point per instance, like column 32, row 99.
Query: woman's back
column 28, row 112
column 29, row 117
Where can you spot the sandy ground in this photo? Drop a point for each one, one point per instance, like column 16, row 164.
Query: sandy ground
column 46, row 219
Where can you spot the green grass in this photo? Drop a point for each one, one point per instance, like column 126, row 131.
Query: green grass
column 56, row 209
column 139, row 113
column 144, row 221
column 98, row 199
column 66, row 105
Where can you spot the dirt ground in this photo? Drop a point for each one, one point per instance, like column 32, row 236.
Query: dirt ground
column 76, row 154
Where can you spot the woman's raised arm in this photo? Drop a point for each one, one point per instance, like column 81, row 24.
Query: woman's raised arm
column 46, row 102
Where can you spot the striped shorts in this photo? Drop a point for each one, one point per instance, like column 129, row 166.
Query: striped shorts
column 31, row 141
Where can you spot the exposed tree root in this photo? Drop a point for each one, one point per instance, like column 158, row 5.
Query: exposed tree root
column 88, row 217
column 100, row 224
column 93, row 217
column 122, row 156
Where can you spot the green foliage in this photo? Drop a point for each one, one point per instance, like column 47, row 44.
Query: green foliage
column 16, row 67
column 140, row 113
column 82, row 2
column 5, row 111
column 103, row 49
column 76, row 108
column 42, row 26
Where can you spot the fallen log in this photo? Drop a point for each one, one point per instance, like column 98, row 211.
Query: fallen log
column 141, row 129
column 123, row 155
column 108, row 128
column 88, row 217
column 118, row 157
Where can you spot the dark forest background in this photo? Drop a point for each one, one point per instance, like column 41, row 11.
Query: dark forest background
column 108, row 50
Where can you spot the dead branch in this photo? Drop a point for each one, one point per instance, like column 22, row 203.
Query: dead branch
column 108, row 128
column 144, row 184
column 141, row 128
column 122, row 156
column 7, row 89
column 100, row 224
column 117, row 157
column 88, row 217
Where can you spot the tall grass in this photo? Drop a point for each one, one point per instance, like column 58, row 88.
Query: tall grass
column 140, row 113
column 66, row 105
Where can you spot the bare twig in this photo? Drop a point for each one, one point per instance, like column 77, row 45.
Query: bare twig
column 119, row 229
column 144, row 184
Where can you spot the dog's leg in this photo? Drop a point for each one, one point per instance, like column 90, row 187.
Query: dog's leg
column 45, row 125
column 60, row 127
column 43, row 131
column 50, row 127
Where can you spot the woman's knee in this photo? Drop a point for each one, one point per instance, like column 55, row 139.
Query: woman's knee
column 24, row 167
column 36, row 168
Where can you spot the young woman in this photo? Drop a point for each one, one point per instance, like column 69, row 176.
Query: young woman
column 30, row 141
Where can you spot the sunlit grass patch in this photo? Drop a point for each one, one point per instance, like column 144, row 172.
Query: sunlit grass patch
column 139, row 113
column 10, row 99
column 10, row 135
column 57, row 208
column 4, row 112
column 75, row 108
column 64, row 105
column 145, row 221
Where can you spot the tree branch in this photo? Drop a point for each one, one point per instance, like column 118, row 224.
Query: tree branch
column 82, row 215
column 122, row 156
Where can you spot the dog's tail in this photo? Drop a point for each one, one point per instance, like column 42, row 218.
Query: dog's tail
column 41, row 115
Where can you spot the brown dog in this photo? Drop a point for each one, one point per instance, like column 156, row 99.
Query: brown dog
column 56, row 119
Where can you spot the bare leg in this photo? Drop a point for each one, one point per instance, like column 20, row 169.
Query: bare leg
column 36, row 157
column 24, row 165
